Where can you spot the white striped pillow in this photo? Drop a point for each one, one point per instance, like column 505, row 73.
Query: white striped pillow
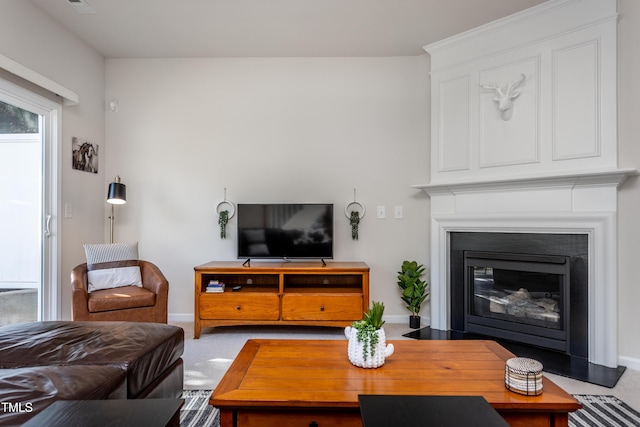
column 112, row 265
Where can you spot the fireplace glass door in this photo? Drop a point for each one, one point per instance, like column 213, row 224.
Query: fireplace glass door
column 519, row 297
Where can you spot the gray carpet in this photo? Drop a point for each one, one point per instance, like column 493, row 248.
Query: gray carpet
column 597, row 411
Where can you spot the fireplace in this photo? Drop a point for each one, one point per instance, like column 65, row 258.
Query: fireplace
column 550, row 168
column 530, row 288
column 580, row 208
column 525, row 287
column 522, row 298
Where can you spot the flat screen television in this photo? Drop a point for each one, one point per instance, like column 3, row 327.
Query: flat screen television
column 285, row 230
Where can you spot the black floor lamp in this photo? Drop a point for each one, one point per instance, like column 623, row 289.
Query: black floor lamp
column 117, row 195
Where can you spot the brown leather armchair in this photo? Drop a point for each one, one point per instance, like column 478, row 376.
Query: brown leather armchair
column 129, row 303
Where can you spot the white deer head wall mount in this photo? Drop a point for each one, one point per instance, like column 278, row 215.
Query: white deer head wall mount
column 505, row 95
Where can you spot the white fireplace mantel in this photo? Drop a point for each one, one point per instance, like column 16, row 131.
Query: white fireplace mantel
column 584, row 178
column 584, row 203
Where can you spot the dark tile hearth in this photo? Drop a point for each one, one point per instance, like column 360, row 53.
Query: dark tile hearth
column 556, row 363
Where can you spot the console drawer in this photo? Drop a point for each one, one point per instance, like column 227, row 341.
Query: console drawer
column 232, row 306
column 320, row 418
column 322, row 307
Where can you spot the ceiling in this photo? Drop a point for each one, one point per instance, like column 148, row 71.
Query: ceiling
column 272, row 28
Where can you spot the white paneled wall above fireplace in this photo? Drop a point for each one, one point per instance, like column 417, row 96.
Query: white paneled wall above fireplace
column 563, row 115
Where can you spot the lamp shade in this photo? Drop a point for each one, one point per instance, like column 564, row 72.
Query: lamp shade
column 117, row 194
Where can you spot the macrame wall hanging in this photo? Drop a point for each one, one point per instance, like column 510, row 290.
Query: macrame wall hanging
column 354, row 220
column 354, row 211
column 225, row 211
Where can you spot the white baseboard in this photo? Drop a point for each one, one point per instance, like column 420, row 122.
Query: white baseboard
column 629, row 362
column 403, row 318
column 180, row 317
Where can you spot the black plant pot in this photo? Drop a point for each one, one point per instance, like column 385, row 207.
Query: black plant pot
column 414, row 321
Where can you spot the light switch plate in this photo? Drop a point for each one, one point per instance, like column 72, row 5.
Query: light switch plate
column 68, row 210
column 398, row 212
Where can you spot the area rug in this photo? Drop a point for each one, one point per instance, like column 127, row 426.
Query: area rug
column 603, row 411
column 597, row 411
column 196, row 411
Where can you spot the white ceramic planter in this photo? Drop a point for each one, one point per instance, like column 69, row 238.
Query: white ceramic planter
column 356, row 351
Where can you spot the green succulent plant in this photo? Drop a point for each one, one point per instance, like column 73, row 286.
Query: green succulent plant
column 414, row 289
column 374, row 316
column 367, row 328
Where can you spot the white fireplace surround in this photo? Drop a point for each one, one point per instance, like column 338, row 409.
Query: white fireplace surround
column 583, row 203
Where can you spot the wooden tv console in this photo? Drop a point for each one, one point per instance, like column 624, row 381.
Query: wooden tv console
column 281, row 293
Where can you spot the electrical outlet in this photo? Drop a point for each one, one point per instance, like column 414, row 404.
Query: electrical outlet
column 381, row 212
column 398, row 212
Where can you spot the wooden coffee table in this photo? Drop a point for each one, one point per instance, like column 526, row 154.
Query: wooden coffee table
column 275, row 383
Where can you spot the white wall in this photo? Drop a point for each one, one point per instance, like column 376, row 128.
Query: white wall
column 269, row 130
column 629, row 196
column 34, row 40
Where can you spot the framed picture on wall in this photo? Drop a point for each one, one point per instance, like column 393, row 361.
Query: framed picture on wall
column 84, row 155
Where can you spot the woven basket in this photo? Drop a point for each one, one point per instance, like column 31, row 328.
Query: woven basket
column 524, row 376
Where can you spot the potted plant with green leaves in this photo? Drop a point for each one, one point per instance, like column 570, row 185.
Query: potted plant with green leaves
column 367, row 341
column 414, row 289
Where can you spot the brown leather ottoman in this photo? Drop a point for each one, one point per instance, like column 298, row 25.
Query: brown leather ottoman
column 148, row 353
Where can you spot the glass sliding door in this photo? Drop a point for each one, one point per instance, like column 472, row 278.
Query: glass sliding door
column 28, row 283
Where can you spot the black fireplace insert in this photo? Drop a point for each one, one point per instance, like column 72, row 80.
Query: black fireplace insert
column 519, row 297
column 529, row 288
